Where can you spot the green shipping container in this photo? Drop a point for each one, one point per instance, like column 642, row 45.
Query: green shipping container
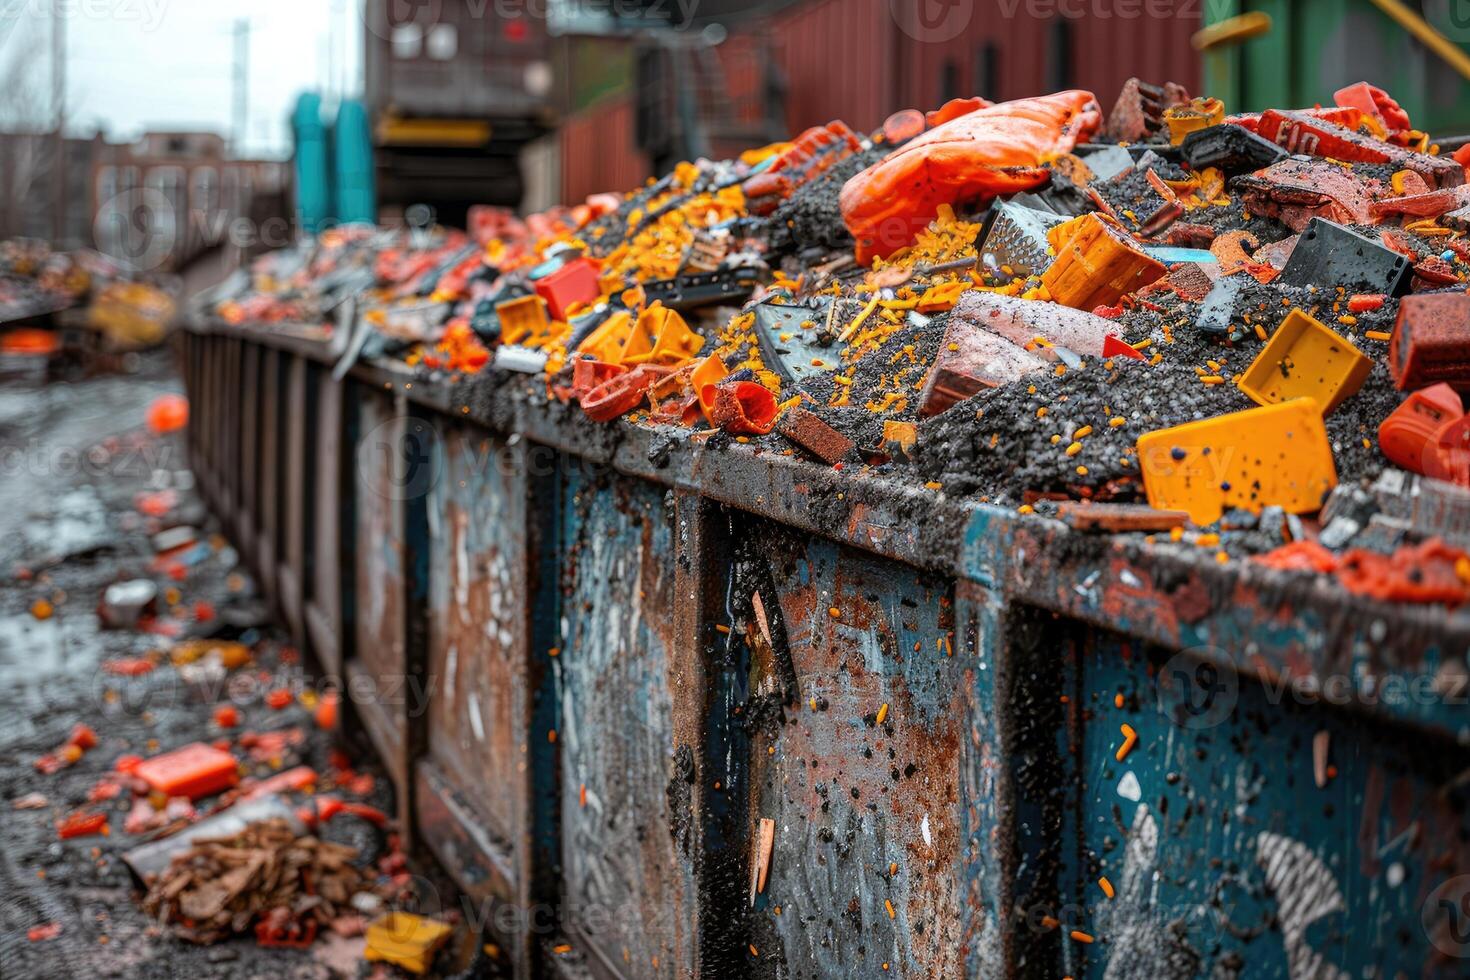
column 1316, row 47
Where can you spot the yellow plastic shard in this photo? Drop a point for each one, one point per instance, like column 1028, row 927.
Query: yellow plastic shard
column 524, row 320
column 408, row 941
column 1305, row 359
column 1191, row 116
column 661, row 336
column 606, row 343
column 1272, row 456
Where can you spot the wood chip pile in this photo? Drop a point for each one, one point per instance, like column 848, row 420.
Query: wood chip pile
column 222, row 886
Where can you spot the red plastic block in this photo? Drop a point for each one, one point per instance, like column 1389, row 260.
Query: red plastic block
column 193, row 771
column 1299, row 132
column 1431, row 342
column 575, row 282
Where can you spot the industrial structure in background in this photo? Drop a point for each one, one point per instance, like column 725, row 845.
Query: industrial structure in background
column 456, row 91
column 154, row 205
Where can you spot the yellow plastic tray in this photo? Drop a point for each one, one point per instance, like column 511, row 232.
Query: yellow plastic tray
column 1304, row 359
column 1277, row 455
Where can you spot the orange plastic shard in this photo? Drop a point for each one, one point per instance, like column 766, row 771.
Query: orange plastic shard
column 523, row 320
column 195, row 770
column 606, row 343
column 661, row 336
column 1278, row 455
column 1000, row 149
column 168, row 413
column 741, row 408
column 710, row 372
column 1097, row 264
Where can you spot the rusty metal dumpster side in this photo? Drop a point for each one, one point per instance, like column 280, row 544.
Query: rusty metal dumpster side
column 385, row 680
column 601, row 688
column 267, row 488
column 247, row 427
column 297, row 419
column 329, row 510
column 616, row 674
column 862, row 775
column 474, row 782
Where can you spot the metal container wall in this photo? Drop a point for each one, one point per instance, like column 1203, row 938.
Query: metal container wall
column 852, row 60
column 386, row 682
column 329, row 510
column 605, row 673
column 619, row 664
column 597, row 150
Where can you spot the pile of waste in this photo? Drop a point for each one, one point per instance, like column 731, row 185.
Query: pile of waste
column 34, row 280
column 1223, row 322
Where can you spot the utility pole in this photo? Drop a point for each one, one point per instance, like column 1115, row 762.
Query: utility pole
column 242, row 86
column 58, row 102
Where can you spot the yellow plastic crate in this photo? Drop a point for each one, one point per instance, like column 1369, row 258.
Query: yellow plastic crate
column 1277, row 455
column 1304, row 359
column 524, row 320
column 405, row 940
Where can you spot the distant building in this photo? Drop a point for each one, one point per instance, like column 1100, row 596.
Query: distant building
column 164, row 200
column 154, row 204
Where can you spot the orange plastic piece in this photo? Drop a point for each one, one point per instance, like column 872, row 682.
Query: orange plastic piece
column 1300, row 556
column 1427, row 572
column 575, row 282
column 1193, row 115
column 710, row 372
column 1304, row 359
column 742, row 408
column 955, row 108
column 1277, row 455
column 168, row 413
column 606, row 343
column 83, row 737
column 903, row 125
column 326, row 711
column 1373, row 101
column 621, row 394
column 1097, row 264
column 1421, row 434
column 523, row 320
column 1000, row 149
column 661, row 336
column 226, row 716
column 195, row 770
column 28, row 340
column 82, row 825
column 278, row 699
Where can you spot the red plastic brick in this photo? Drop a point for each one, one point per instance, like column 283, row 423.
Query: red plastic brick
column 1431, row 342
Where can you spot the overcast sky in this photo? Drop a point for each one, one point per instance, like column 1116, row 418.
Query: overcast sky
column 134, row 65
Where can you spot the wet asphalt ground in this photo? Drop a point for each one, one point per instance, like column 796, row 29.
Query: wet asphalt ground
column 76, row 464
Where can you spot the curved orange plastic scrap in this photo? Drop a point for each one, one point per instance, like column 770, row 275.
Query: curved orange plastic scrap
column 998, row 150
column 955, row 108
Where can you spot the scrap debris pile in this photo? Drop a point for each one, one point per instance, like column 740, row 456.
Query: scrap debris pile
column 1224, row 322
column 207, row 767
column 36, row 281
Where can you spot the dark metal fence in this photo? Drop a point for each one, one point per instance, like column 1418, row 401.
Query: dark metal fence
column 668, row 710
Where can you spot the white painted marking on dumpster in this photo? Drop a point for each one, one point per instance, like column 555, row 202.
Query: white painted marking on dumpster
column 476, row 722
column 1305, row 891
column 1128, row 787
column 924, row 829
